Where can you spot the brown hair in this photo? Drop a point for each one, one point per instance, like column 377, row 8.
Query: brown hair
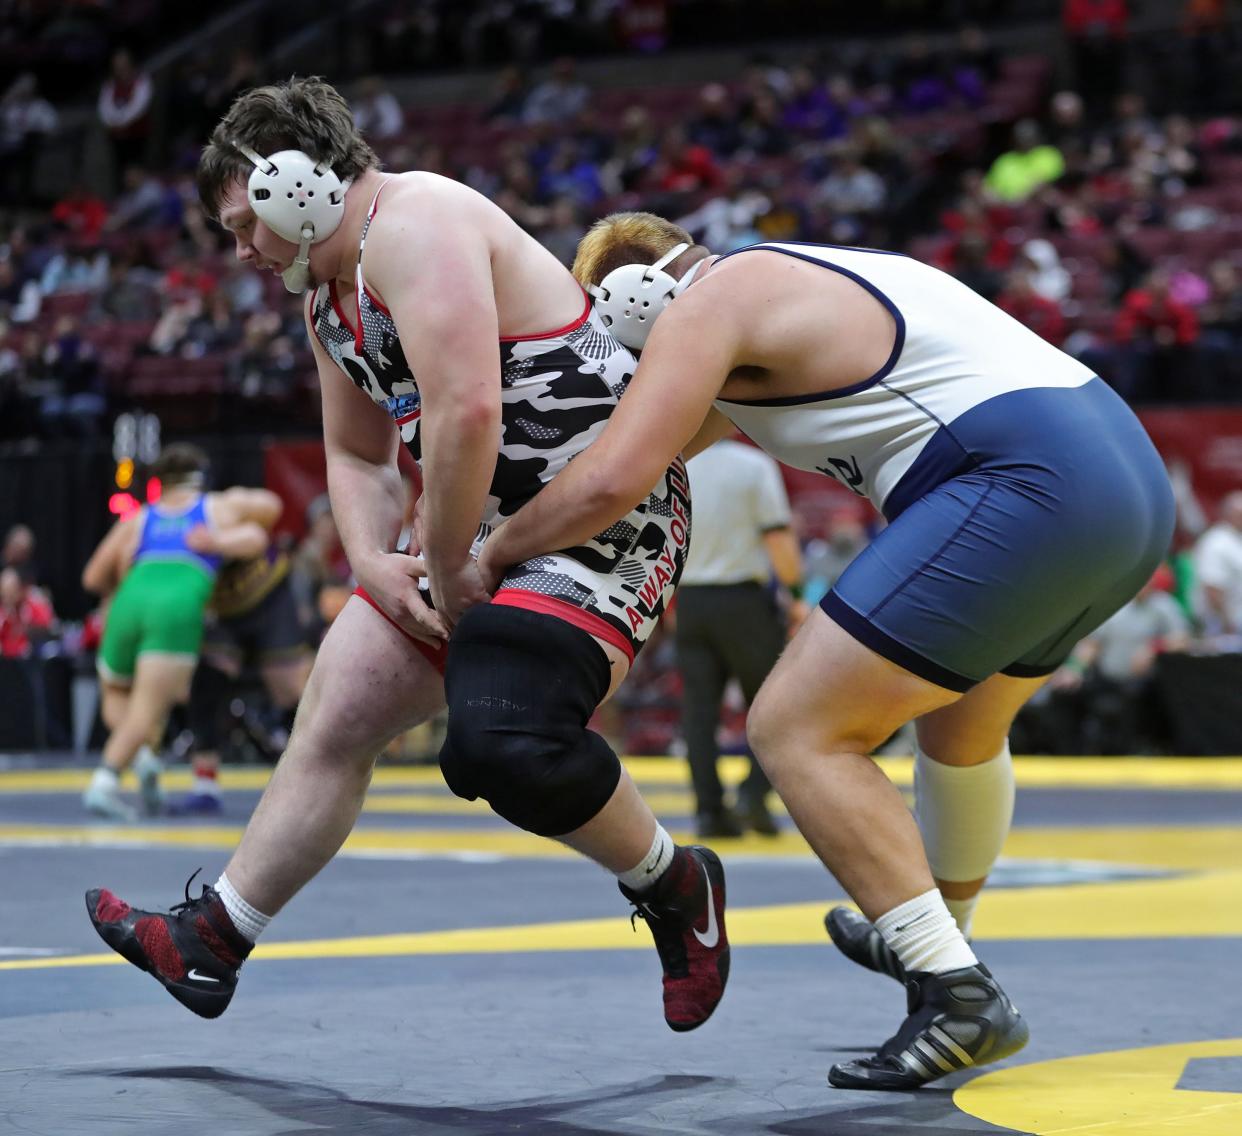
column 626, row 238
column 300, row 114
column 179, row 462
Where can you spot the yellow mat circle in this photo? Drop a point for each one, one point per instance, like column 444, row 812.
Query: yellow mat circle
column 1131, row 1092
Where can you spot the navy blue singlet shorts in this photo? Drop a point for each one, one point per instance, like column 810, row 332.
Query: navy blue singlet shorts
column 1058, row 511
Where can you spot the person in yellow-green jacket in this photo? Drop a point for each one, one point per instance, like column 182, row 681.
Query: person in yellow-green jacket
column 158, row 568
column 1032, row 162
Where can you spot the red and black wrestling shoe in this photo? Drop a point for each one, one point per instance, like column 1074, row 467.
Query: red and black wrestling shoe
column 686, row 913
column 193, row 950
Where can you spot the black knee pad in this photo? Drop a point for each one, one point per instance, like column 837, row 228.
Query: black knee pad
column 521, row 687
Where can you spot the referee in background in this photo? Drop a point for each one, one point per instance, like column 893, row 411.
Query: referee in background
column 729, row 623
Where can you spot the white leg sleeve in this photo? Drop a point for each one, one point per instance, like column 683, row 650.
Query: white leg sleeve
column 964, row 814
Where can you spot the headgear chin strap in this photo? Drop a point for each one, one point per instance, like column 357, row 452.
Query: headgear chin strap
column 631, row 297
column 299, row 199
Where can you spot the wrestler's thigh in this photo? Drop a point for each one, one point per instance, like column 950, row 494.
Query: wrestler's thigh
column 369, row 684
column 831, row 693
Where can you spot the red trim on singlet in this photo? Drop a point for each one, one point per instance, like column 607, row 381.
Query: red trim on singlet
column 548, row 605
column 371, row 295
column 586, row 314
column 376, row 300
column 336, row 304
column 528, row 601
column 340, row 314
column 436, row 656
column 375, row 199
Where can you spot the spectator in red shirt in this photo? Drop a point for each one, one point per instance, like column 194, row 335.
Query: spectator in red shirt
column 1157, row 335
column 1028, row 307
column 972, row 223
column 1149, row 309
column 682, row 167
column 81, row 213
column 26, row 616
column 185, row 277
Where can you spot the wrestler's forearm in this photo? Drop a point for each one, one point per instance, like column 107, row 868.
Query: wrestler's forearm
column 572, row 508
column 367, row 505
column 459, row 461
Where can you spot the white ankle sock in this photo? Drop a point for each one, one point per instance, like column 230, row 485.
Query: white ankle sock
column 652, row 866
column 922, row 934
column 146, row 758
column 106, row 780
column 249, row 921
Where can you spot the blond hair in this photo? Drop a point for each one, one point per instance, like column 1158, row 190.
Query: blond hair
column 624, row 238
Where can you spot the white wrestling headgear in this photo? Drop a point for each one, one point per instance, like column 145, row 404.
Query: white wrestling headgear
column 632, row 296
column 299, row 199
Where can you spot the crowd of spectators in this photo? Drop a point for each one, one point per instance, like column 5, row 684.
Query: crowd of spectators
column 1113, row 231
column 1119, row 242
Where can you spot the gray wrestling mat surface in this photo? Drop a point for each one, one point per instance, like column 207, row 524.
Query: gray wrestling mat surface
column 447, row 975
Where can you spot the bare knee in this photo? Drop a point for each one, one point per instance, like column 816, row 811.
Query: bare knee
column 335, row 732
column 762, row 729
column 785, row 736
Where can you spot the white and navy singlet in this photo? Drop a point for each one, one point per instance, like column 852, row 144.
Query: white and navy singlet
column 557, row 390
column 1025, row 501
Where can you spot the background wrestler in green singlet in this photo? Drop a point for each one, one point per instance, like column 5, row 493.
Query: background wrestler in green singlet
column 159, row 567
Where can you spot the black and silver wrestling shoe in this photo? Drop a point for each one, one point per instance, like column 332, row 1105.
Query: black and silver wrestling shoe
column 955, row 1021
column 855, row 936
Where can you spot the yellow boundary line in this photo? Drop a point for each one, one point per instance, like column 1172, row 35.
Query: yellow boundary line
column 1208, row 905
column 1031, row 772
column 1177, row 848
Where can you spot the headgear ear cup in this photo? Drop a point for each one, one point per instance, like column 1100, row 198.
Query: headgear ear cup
column 630, row 298
column 299, row 199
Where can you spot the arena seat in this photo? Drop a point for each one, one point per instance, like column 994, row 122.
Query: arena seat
column 66, row 304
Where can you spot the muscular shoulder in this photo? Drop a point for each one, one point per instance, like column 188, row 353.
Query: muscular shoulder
column 421, row 204
column 423, row 221
column 735, row 299
column 746, row 284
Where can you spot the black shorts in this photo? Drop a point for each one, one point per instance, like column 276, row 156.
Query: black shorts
column 270, row 632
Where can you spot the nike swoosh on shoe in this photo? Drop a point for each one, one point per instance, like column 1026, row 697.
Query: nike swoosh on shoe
column 711, row 936
column 199, row 976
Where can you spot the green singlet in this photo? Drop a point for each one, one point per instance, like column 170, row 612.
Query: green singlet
column 159, row 607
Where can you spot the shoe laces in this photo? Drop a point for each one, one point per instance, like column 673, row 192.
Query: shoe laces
column 641, row 911
column 667, row 934
column 177, row 908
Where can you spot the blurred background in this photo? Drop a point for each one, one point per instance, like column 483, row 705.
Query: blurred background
column 1078, row 162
